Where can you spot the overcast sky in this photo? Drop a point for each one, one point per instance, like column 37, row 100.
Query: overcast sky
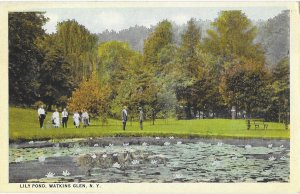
column 97, row 20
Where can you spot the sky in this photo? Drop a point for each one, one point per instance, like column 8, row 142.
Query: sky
column 96, row 20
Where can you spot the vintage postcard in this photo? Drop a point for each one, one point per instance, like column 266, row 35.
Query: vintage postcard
column 192, row 97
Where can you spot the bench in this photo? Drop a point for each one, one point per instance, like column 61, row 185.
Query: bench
column 257, row 123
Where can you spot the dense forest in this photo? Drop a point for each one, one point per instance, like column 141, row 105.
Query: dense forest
column 202, row 68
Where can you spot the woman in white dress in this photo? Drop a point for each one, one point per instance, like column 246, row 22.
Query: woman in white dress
column 55, row 119
column 76, row 119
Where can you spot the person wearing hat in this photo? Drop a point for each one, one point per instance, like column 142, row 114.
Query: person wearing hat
column 124, row 117
column 64, row 115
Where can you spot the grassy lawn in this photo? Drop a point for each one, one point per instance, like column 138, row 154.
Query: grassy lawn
column 24, row 126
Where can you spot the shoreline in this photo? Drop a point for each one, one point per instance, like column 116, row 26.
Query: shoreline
column 118, row 141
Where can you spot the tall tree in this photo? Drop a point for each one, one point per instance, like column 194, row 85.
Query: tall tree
column 56, row 82
column 160, row 38
column 24, row 55
column 80, row 48
column 232, row 36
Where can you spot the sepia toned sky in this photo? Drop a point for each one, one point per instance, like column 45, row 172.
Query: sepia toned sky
column 97, row 20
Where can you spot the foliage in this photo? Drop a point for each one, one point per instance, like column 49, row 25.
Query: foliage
column 232, row 37
column 91, row 96
column 24, row 55
column 245, row 85
column 161, row 37
column 54, row 73
column 280, row 105
column 79, row 48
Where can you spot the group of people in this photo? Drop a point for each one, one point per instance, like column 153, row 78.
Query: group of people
column 56, row 121
column 82, row 116
column 125, row 117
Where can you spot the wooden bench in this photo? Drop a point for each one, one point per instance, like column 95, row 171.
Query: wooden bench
column 257, row 123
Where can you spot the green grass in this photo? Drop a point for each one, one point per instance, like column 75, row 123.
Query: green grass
column 24, row 126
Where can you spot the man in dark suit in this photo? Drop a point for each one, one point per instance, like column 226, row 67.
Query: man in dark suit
column 124, row 117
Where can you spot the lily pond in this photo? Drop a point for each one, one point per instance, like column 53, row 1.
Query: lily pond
column 153, row 159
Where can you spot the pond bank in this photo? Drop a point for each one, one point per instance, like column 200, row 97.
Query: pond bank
column 105, row 141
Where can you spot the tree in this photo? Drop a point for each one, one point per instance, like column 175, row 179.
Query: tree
column 79, row 48
column 24, row 55
column 157, row 40
column 280, row 106
column 232, row 37
column 56, row 82
column 246, row 86
column 114, row 56
column 190, row 43
column 91, row 96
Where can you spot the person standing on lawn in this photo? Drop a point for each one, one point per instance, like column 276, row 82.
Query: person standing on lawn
column 55, row 119
column 76, row 119
column 124, row 117
column 64, row 117
column 42, row 116
column 85, row 119
column 141, row 116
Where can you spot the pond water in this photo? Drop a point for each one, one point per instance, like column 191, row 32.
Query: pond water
column 170, row 161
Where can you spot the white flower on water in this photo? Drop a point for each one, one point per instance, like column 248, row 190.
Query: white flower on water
column 248, row 146
column 94, row 156
column 220, row 144
column 282, row 146
column 50, row 175
column 57, row 154
column 179, row 142
column 171, row 137
column 66, row 173
column 153, row 162
column 125, row 144
column 20, row 159
column 157, row 137
column 116, row 165
column 233, row 158
column 131, row 150
column 31, row 142
column 178, row 176
column 270, row 145
column 167, row 143
column 144, row 144
column 216, row 163
column 282, row 158
column 272, row 158
column 96, row 145
column 115, row 154
column 104, row 156
column 134, row 162
column 42, row 158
